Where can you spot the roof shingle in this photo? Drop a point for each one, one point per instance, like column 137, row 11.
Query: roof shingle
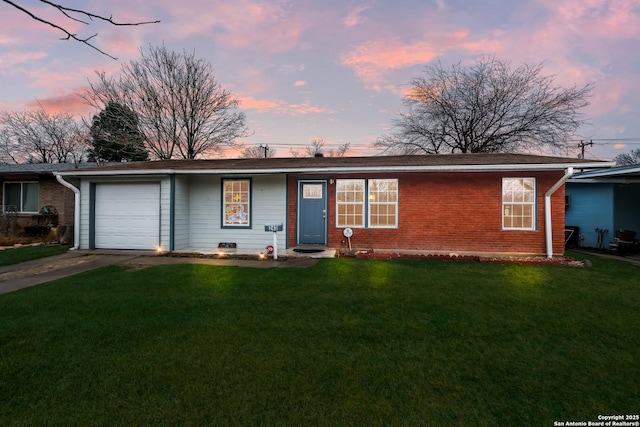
column 300, row 164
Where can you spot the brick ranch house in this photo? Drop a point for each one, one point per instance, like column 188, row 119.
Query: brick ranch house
column 462, row 203
column 32, row 194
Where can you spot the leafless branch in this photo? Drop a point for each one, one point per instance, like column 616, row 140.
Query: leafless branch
column 69, row 13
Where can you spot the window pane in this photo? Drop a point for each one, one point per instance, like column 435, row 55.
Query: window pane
column 518, row 203
column 236, row 202
column 30, row 197
column 12, row 192
column 22, row 195
column 383, row 202
column 350, row 203
column 312, row 191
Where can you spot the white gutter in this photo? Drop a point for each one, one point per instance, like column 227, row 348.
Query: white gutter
column 76, row 216
column 547, row 210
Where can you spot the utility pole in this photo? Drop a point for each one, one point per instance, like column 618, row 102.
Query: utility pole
column 266, row 150
column 582, row 146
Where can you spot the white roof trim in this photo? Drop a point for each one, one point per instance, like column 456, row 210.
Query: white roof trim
column 616, row 171
column 347, row 169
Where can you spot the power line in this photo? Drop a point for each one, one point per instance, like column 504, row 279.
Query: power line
column 265, row 148
column 583, row 145
column 606, row 141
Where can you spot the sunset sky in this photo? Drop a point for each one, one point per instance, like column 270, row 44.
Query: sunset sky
column 336, row 69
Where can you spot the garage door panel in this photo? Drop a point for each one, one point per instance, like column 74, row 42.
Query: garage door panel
column 127, row 216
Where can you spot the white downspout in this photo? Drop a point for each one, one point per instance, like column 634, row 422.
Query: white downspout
column 547, row 210
column 76, row 216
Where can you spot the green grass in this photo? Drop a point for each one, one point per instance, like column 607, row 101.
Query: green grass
column 17, row 255
column 347, row 342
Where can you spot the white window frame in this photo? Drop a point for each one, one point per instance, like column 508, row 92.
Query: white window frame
column 20, row 208
column 518, row 201
column 351, row 203
column 373, row 200
column 246, row 212
column 368, row 200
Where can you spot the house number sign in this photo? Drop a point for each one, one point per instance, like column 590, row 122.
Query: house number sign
column 274, row 228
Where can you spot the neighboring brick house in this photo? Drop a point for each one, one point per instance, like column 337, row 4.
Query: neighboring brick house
column 35, row 195
column 462, row 203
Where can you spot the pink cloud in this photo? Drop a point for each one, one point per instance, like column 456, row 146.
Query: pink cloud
column 247, row 24
column 299, row 83
column 306, row 108
column 120, row 43
column 614, row 19
column 251, row 103
column 253, row 81
column 354, row 17
column 373, row 61
column 70, row 103
column 584, row 41
column 12, row 59
column 281, row 107
column 57, row 82
column 606, row 97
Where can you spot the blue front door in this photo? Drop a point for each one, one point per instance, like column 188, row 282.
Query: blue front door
column 312, row 213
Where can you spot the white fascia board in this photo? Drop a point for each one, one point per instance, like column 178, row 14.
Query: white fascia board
column 619, row 180
column 616, row 172
column 346, row 169
column 139, row 172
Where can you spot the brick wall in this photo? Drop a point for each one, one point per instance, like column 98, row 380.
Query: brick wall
column 447, row 212
column 62, row 198
column 50, row 192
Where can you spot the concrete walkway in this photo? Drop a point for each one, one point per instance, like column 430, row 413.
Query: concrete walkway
column 35, row 272
column 631, row 259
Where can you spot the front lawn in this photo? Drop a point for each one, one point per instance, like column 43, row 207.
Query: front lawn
column 17, row 255
column 347, row 342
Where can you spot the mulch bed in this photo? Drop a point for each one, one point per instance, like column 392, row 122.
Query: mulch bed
column 564, row 261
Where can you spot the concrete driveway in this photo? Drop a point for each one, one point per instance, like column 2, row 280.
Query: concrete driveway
column 30, row 273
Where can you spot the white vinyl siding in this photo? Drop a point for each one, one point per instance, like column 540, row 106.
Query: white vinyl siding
column 181, row 212
column 268, row 206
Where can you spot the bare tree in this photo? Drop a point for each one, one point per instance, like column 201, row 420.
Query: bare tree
column 183, row 112
column 317, row 149
column 341, row 151
column 259, row 151
column 628, row 159
column 485, row 108
column 294, row 152
column 71, row 15
column 38, row 137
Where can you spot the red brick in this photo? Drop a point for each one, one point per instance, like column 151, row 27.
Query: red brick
column 448, row 212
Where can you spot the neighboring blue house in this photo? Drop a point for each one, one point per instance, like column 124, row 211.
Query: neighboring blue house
column 602, row 202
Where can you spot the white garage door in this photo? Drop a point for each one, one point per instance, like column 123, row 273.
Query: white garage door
column 127, row 216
